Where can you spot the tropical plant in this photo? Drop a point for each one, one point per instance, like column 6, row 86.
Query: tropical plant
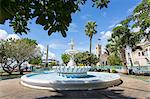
column 65, row 58
column 53, row 15
column 90, row 30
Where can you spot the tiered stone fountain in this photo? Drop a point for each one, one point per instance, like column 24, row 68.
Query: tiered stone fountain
column 70, row 77
column 72, row 70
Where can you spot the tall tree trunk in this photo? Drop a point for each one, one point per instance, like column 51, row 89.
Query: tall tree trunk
column 90, row 45
column 123, row 58
column 129, row 55
column 20, row 70
column 131, row 60
column 90, row 50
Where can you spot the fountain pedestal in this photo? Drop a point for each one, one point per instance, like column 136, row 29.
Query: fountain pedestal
column 71, row 62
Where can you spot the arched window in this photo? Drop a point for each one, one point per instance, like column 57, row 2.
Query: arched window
column 142, row 53
column 146, row 52
column 103, row 63
column 106, row 63
column 139, row 53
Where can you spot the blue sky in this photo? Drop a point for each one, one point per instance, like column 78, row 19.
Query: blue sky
column 106, row 19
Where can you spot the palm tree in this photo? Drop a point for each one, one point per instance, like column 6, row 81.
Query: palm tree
column 90, row 30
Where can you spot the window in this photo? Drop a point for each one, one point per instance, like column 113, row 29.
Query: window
column 142, row 53
column 139, row 54
column 106, row 63
column 146, row 52
column 103, row 63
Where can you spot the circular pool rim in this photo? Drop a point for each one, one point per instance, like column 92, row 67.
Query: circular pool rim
column 71, row 84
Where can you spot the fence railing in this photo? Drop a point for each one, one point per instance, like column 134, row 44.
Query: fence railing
column 135, row 69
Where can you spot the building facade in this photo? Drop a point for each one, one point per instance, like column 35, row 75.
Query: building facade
column 102, row 56
column 140, row 57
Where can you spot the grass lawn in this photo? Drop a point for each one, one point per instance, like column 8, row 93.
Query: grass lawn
column 6, row 76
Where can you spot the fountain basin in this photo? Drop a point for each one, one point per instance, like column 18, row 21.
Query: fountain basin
column 52, row 81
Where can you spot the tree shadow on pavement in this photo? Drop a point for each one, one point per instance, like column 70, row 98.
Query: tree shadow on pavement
column 89, row 94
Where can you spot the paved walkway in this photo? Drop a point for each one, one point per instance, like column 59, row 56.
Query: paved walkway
column 130, row 89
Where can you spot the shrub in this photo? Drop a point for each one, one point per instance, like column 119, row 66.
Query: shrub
column 114, row 71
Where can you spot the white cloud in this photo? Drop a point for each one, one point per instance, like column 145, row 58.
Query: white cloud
column 147, row 30
column 58, row 45
column 50, row 55
column 118, row 25
column 114, row 22
column 107, row 35
column 114, row 25
column 130, row 10
column 86, row 17
column 73, row 28
column 82, row 49
column 102, row 33
column 13, row 36
column 135, row 29
column 43, row 50
column 55, row 46
column 103, row 14
column 111, row 26
column 3, row 34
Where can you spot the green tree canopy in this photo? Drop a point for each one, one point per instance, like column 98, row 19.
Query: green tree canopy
column 53, row 64
column 86, row 58
column 81, row 58
column 35, row 61
column 16, row 52
column 53, row 15
column 65, row 58
column 140, row 18
column 114, row 59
